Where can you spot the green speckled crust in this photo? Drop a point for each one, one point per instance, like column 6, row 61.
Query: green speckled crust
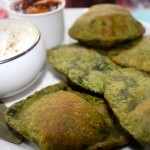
column 128, row 94
column 116, row 135
column 66, row 120
column 106, row 25
column 83, row 66
column 135, row 54
column 61, row 120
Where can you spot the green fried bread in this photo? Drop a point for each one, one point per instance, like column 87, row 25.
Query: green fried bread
column 83, row 66
column 127, row 92
column 105, row 26
column 135, row 54
column 65, row 119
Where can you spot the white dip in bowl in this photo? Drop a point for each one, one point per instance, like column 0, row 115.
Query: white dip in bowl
column 22, row 56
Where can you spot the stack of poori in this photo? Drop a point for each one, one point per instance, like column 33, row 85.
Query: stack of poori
column 105, row 101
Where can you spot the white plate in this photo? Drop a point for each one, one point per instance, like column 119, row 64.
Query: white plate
column 48, row 78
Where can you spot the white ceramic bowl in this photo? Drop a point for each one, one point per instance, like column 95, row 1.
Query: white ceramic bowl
column 51, row 24
column 21, row 70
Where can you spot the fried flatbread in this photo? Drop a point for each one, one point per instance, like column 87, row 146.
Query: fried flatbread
column 116, row 135
column 135, row 54
column 83, row 66
column 6, row 133
column 66, row 120
column 128, row 94
column 106, row 25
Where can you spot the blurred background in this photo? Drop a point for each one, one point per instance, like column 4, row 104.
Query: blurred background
column 125, row 3
column 85, row 3
column 140, row 9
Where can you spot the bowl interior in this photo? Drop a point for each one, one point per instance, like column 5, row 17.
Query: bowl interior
column 12, row 4
column 17, row 38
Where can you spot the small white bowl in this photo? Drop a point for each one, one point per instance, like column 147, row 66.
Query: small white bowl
column 17, row 72
column 51, row 24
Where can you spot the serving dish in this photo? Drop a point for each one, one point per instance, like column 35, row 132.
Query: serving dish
column 51, row 24
column 49, row 77
column 20, row 53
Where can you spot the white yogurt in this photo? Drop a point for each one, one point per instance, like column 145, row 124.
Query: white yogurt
column 16, row 38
